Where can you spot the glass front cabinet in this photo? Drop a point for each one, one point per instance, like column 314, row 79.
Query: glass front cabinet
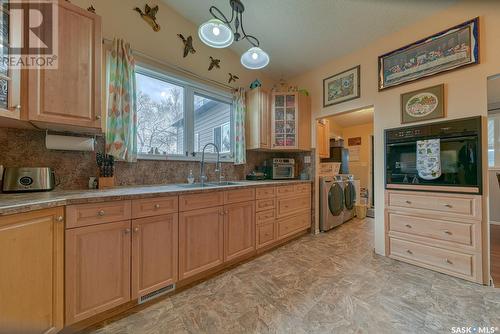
column 291, row 121
column 10, row 79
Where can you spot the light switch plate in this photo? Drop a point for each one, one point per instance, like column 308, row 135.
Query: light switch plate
column 307, row 159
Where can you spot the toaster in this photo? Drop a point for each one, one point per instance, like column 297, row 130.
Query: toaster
column 26, row 179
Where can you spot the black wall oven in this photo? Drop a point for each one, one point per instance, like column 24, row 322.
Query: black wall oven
column 459, row 156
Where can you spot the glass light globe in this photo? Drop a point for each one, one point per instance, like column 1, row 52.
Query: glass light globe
column 216, row 34
column 255, row 58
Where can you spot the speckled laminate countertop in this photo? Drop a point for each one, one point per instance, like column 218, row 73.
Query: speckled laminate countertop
column 24, row 202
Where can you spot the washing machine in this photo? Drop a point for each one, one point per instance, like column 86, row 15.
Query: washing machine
column 351, row 191
column 331, row 202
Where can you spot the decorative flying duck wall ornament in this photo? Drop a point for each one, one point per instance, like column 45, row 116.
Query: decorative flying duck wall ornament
column 214, row 63
column 91, row 9
column 232, row 78
column 188, row 44
column 149, row 15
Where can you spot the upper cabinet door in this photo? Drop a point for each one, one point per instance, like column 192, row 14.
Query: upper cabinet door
column 258, row 127
column 71, row 94
column 284, row 121
column 10, row 79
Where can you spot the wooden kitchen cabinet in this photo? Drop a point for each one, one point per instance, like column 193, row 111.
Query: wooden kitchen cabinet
column 239, row 230
column 323, row 138
column 154, row 253
column 70, row 96
column 32, row 266
column 290, row 121
column 97, row 269
column 258, row 120
column 201, row 240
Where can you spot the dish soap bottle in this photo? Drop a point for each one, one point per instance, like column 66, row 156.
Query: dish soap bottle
column 190, row 177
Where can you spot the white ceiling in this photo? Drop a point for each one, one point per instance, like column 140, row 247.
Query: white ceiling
column 353, row 118
column 301, row 34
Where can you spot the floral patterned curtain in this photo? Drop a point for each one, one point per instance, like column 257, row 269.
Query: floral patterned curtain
column 121, row 130
column 239, row 108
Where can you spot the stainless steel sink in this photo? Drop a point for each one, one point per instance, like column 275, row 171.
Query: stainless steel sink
column 209, row 184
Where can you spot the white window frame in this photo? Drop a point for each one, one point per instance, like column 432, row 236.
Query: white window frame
column 191, row 88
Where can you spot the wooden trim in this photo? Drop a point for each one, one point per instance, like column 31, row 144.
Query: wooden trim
column 414, row 187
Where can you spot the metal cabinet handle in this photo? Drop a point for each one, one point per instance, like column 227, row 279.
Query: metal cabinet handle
column 408, row 202
column 226, row 212
column 221, row 212
column 98, row 117
column 17, row 107
column 101, row 213
column 60, row 219
column 136, row 229
column 448, row 206
column 408, row 225
column 126, row 231
column 448, row 232
column 409, row 251
column 157, row 206
column 448, row 261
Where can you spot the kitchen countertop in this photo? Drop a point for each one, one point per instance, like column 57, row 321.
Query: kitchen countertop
column 24, row 202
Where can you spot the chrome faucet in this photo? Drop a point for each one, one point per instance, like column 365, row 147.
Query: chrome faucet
column 218, row 168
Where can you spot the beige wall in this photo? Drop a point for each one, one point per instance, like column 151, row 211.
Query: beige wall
column 465, row 88
column 120, row 20
column 361, row 169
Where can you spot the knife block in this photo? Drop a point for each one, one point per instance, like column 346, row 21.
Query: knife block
column 106, row 182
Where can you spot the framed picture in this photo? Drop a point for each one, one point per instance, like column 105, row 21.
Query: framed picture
column 448, row 50
column 423, row 104
column 342, row 87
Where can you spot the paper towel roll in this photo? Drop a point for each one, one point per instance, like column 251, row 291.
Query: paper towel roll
column 69, row 143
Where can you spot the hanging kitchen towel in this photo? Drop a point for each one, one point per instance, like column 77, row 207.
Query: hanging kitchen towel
column 429, row 159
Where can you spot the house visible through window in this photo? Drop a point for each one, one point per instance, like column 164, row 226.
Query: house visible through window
column 178, row 119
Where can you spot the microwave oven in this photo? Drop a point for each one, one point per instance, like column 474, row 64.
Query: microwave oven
column 281, row 168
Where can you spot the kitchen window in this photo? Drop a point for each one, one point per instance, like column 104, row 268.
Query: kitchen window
column 177, row 118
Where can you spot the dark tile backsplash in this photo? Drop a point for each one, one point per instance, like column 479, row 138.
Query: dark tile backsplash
column 26, row 148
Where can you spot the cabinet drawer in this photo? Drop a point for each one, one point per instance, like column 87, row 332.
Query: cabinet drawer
column 302, row 189
column 441, row 260
column 284, row 191
column 97, row 213
column 466, row 206
column 201, row 201
column 266, row 234
column 291, row 225
column 265, row 204
column 460, row 233
column 267, row 192
column 148, row 207
column 239, row 195
column 264, row 216
column 293, row 205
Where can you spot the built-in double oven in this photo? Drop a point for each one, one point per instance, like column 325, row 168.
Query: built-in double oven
column 442, row 156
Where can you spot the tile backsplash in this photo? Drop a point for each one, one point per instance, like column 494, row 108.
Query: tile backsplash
column 26, row 148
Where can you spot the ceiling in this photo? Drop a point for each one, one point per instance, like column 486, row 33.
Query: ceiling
column 302, row 34
column 353, row 118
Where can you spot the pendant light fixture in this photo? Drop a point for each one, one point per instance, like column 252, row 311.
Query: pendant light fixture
column 217, row 33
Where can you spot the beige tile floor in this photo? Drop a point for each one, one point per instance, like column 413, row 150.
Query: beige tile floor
column 331, row 283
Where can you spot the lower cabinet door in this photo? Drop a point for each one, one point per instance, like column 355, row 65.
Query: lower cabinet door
column 239, row 230
column 97, row 269
column 265, row 234
column 201, row 240
column 154, row 253
column 31, row 272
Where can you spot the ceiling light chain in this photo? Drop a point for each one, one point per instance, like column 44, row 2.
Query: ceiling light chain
column 217, row 33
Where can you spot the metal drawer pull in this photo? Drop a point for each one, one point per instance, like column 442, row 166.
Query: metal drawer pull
column 157, row 206
column 60, row 219
column 448, row 261
column 448, row 206
column 221, row 213
column 408, row 225
column 136, row 229
column 101, row 213
column 448, row 232
column 408, row 202
column 127, row 231
column 409, row 252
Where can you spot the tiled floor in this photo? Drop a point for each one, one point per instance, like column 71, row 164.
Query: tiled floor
column 331, row 283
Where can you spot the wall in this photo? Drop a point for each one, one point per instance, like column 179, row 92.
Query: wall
column 465, row 88
column 361, row 169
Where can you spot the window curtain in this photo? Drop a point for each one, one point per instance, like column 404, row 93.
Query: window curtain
column 239, row 110
column 121, row 130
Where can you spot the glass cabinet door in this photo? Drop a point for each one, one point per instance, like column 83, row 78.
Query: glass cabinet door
column 284, row 121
